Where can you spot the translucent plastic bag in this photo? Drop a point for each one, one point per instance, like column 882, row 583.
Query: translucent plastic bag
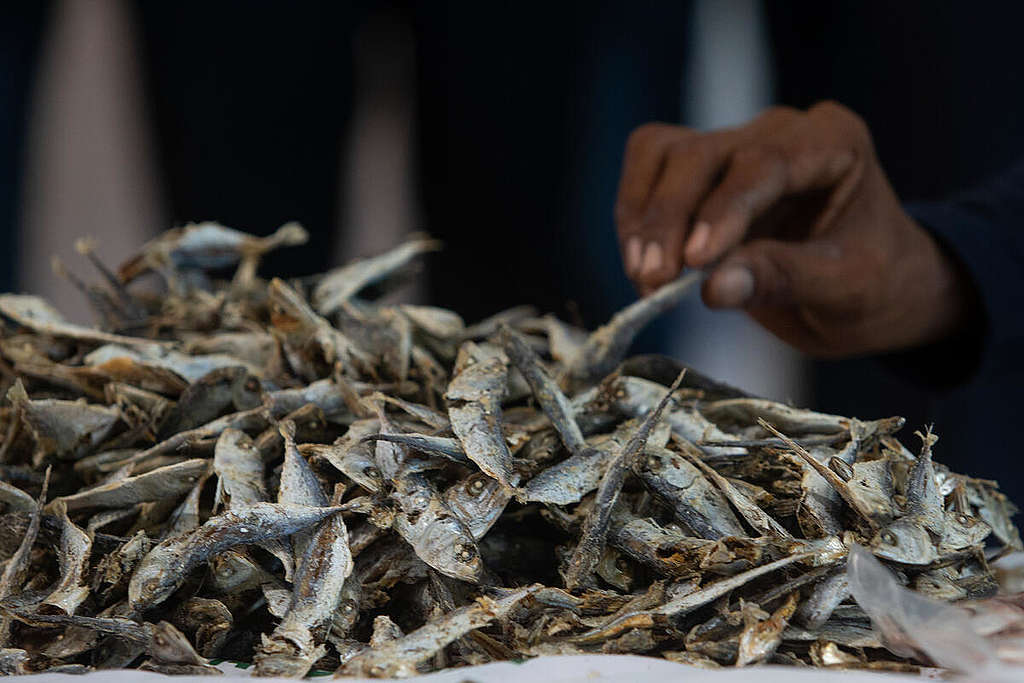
column 911, row 624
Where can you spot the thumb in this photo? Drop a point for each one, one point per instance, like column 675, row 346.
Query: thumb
column 774, row 273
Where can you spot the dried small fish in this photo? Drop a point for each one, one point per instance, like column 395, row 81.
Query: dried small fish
column 311, row 338
column 73, row 557
column 444, row 446
column 399, row 657
column 239, row 469
column 474, row 395
column 208, row 621
column 745, row 506
column 17, row 566
column 607, row 346
column 14, row 498
column 437, row 536
column 205, row 246
column 297, row 642
column 152, row 582
column 477, row 501
column 595, row 526
column 160, row 484
column 36, row 314
column 760, row 638
column 783, row 417
column 228, row 389
column 188, row 367
column 685, row 604
column 66, row 429
column 693, row 499
column 338, row 286
column 568, row 481
column 352, row 455
column 551, row 399
column 684, row 519
column 161, row 640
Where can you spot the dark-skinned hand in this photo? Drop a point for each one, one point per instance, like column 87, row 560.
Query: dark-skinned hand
column 797, row 224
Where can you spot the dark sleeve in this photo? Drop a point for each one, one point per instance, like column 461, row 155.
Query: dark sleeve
column 984, row 231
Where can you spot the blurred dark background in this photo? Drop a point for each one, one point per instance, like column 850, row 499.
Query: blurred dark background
column 498, row 127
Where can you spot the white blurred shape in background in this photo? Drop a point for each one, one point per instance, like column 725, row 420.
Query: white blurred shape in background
column 378, row 207
column 90, row 167
column 727, row 81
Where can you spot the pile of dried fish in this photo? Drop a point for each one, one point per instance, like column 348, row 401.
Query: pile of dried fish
column 301, row 476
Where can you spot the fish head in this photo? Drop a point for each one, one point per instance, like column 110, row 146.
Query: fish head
column 938, row 584
column 479, row 493
column 281, row 665
column 904, row 541
column 449, row 548
column 153, row 581
column 168, row 644
column 246, row 390
column 963, row 530
column 347, row 613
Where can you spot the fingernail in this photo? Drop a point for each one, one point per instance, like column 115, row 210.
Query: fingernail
column 698, row 239
column 734, row 286
column 653, row 258
column 633, row 254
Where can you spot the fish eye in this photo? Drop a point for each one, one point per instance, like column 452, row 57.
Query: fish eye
column 252, row 385
column 464, row 552
column 962, row 519
column 476, row 487
column 889, row 537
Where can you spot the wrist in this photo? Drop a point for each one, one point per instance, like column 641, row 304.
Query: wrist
column 939, row 295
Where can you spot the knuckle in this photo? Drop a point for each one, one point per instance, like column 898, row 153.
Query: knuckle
column 829, row 107
column 761, row 157
column 758, row 167
column 774, row 281
column 780, row 113
column 644, row 135
column 845, row 119
column 626, row 208
column 697, row 150
column 658, row 214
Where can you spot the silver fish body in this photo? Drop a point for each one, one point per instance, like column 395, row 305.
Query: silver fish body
column 437, row 536
column 167, row 565
column 474, row 396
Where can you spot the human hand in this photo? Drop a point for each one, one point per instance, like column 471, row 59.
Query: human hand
column 796, row 222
